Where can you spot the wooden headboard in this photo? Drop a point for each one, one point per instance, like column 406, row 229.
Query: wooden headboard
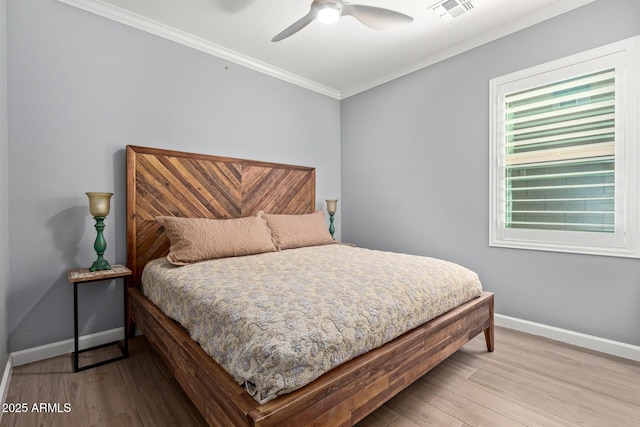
column 174, row 183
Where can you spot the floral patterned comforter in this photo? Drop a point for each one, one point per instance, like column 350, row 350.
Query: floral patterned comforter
column 277, row 321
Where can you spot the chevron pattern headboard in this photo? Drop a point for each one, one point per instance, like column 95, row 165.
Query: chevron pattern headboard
column 164, row 182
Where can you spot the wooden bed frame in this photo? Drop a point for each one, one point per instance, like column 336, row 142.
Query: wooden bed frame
column 162, row 182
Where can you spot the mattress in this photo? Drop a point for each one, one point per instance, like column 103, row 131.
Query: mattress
column 276, row 321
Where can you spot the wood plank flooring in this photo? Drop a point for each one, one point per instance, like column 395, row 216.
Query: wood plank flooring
column 527, row 381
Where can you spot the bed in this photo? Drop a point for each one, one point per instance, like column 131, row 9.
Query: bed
column 164, row 183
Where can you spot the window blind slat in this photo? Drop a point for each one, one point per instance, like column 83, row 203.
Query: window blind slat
column 559, row 175
column 564, row 127
column 573, row 110
column 553, row 187
column 568, row 224
column 589, row 151
column 544, row 90
column 562, row 212
column 570, row 199
column 566, row 99
column 592, row 161
column 582, row 138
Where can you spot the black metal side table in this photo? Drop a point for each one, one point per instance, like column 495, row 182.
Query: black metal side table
column 83, row 275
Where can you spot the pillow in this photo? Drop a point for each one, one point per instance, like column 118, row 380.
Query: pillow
column 200, row 239
column 296, row 231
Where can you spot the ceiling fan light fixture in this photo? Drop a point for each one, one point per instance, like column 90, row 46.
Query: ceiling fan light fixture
column 328, row 13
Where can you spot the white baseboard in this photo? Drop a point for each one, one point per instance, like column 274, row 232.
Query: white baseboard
column 591, row 342
column 6, row 380
column 603, row 345
column 46, row 351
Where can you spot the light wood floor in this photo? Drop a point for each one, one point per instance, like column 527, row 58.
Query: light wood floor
column 527, row 381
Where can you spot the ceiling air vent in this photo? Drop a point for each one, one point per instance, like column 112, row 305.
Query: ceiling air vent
column 449, row 9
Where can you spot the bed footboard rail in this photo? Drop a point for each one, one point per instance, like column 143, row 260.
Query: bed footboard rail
column 341, row 397
column 213, row 391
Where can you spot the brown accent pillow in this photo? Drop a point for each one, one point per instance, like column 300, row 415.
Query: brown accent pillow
column 200, row 239
column 296, row 231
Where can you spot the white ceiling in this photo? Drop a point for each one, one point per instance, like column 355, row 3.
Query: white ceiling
column 338, row 60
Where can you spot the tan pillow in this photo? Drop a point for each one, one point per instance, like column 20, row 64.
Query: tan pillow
column 296, row 231
column 199, row 239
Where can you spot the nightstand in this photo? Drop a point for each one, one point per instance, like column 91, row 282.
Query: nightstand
column 83, row 275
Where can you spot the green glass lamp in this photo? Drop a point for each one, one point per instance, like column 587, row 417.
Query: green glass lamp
column 99, row 205
column 332, row 207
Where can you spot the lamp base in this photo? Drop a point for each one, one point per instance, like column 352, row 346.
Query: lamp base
column 100, row 264
column 332, row 229
column 100, row 245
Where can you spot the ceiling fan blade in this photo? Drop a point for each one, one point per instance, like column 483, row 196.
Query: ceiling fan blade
column 296, row 26
column 375, row 17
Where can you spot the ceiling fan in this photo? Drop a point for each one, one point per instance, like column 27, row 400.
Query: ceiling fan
column 329, row 11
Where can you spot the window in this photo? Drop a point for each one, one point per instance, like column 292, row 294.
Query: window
column 564, row 154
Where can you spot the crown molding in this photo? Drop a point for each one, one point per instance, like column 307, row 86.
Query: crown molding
column 495, row 34
column 126, row 17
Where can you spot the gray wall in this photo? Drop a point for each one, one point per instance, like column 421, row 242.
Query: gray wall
column 415, row 178
column 4, row 194
column 81, row 87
